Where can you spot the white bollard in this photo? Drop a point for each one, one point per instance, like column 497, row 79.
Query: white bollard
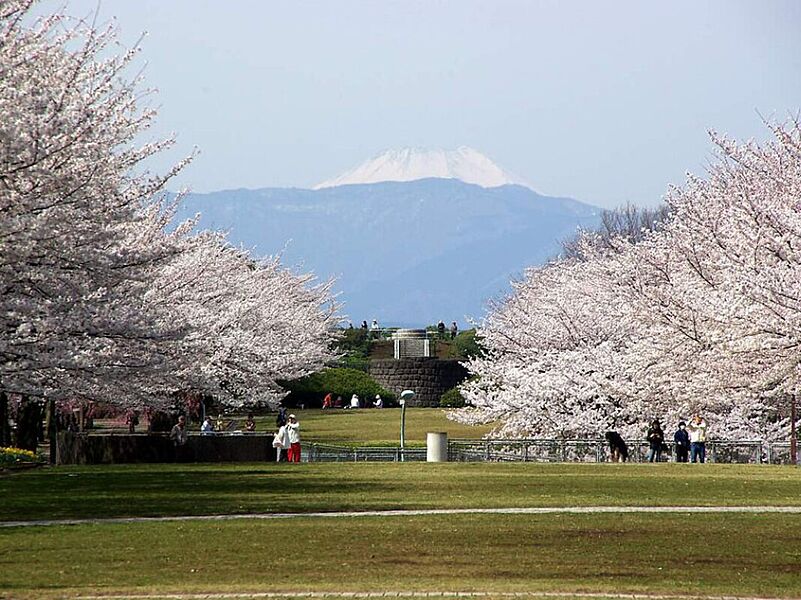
column 437, row 446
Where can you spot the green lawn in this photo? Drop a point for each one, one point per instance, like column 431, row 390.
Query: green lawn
column 732, row 554
column 172, row 489
column 670, row 554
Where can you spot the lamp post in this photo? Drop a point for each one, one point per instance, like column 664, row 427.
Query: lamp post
column 405, row 396
column 793, row 432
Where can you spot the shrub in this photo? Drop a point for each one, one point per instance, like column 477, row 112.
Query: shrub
column 466, row 344
column 15, row 456
column 311, row 389
column 452, row 399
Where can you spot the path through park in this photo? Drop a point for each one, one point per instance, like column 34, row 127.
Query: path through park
column 540, row 510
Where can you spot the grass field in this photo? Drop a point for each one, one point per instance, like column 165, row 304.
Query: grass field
column 153, row 490
column 723, row 554
column 703, row 554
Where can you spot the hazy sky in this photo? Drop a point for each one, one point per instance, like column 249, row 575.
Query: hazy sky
column 606, row 102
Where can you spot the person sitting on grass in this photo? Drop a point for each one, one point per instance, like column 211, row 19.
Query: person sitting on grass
column 618, row 449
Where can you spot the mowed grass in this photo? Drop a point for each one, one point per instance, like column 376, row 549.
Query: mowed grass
column 374, row 427
column 742, row 554
column 178, row 489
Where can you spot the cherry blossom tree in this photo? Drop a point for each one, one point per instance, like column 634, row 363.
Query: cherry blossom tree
column 101, row 297
column 699, row 315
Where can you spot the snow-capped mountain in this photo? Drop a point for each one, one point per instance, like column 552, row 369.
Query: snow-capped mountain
column 410, row 164
column 405, row 253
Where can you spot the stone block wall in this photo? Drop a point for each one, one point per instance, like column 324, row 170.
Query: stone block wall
column 429, row 378
column 88, row 449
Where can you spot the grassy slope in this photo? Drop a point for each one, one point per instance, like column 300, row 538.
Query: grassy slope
column 151, row 490
column 371, row 427
column 709, row 554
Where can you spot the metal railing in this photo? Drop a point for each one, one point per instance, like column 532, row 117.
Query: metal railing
column 332, row 453
column 550, row 451
column 597, row 450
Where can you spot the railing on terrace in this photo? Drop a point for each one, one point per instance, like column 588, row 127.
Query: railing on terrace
column 332, row 453
column 550, row 450
column 597, row 450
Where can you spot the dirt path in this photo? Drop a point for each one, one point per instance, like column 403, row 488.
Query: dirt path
column 545, row 510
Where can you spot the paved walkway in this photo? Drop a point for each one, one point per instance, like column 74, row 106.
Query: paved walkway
column 544, row 595
column 544, row 510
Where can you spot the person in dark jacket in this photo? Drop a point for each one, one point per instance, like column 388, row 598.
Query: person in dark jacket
column 280, row 420
column 617, row 447
column 682, row 441
column 656, row 438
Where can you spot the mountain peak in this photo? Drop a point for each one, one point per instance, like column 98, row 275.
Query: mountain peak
column 410, row 164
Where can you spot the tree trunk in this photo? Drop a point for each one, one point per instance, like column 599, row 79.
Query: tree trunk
column 29, row 424
column 5, row 426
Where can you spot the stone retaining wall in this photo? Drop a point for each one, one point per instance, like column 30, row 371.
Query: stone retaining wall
column 85, row 449
column 429, row 378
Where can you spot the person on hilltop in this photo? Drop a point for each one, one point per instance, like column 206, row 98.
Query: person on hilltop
column 293, row 433
column 441, row 329
column 682, row 440
column 618, row 450
column 697, row 428
column 454, row 330
column 364, row 325
column 656, row 437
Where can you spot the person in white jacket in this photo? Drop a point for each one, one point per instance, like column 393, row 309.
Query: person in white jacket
column 697, row 430
column 280, row 442
column 293, row 434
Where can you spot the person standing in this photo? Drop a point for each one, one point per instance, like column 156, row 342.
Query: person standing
column 441, row 329
column 250, row 423
column 280, row 420
column 682, row 440
column 454, row 330
column 697, row 428
column 280, row 442
column 293, row 434
column 656, row 437
column 179, row 433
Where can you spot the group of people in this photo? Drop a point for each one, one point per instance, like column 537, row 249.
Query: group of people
column 286, row 440
column 454, row 329
column 689, row 442
column 211, row 426
column 355, row 402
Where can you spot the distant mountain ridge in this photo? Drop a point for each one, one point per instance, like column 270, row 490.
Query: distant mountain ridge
column 405, row 253
column 410, row 164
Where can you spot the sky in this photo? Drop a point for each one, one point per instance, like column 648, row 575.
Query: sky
column 605, row 102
